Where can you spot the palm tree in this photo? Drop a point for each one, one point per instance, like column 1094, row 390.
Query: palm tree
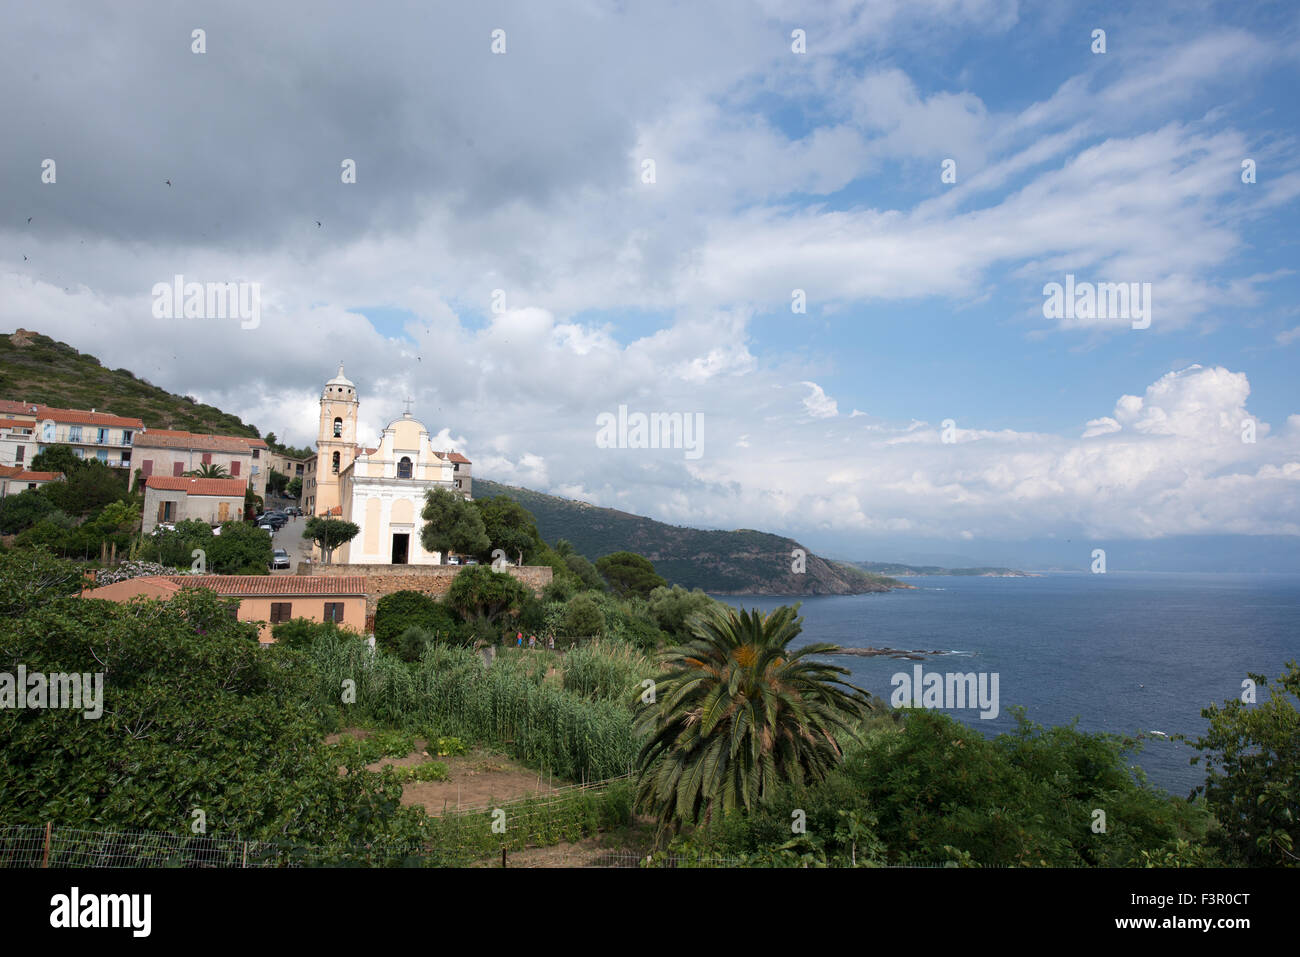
column 208, row 470
column 737, row 712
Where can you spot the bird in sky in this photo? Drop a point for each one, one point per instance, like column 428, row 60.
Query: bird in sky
column 318, row 224
column 29, row 219
column 24, row 259
column 167, row 181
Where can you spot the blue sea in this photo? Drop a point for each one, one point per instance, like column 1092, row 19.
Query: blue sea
column 1124, row 652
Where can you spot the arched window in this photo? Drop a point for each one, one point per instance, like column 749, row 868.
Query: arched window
column 338, row 430
column 336, row 462
column 404, row 468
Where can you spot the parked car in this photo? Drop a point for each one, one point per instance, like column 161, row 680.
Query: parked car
column 269, row 529
column 293, row 510
column 272, row 518
column 279, row 559
column 471, row 561
column 453, row 560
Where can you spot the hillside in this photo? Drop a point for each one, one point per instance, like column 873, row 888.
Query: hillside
column 742, row 562
column 35, row 368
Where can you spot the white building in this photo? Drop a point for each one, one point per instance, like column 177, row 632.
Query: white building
column 380, row 489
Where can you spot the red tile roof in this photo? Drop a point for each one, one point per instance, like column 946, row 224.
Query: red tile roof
column 274, row 586
column 457, row 457
column 192, row 485
column 22, row 476
column 171, row 439
column 8, row 470
column 69, row 416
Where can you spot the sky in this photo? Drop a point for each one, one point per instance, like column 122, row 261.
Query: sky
column 827, row 232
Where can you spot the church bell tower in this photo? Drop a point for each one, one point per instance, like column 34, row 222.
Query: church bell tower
column 336, row 440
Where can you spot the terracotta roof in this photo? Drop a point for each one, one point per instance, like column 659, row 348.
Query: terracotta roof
column 150, row 586
column 72, row 416
column 8, row 470
column 457, row 457
column 254, row 586
column 336, row 510
column 169, row 439
column 22, row 476
column 13, row 421
column 192, row 485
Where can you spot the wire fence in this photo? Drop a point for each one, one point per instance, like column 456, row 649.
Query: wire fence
column 458, row 837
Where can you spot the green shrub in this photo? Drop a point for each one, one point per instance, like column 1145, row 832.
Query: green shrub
column 402, row 610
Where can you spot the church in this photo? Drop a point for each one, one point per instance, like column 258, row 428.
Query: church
column 379, row 489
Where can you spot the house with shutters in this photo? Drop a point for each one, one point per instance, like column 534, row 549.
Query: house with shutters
column 26, row 429
column 167, row 452
column 265, row 600
column 174, row 499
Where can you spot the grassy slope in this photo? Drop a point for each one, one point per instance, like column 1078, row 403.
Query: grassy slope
column 35, row 368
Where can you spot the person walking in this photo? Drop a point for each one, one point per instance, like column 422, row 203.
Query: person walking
column 519, row 640
column 532, row 642
column 550, row 642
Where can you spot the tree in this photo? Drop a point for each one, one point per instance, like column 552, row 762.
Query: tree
column 209, row 470
column 397, row 612
column 31, row 577
column 58, row 458
column 629, row 574
column 24, row 510
column 673, row 608
column 1252, row 756
column 451, row 524
column 479, row 592
column 582, row 618
column 276, row 482
column 240, row 549
column 509, row 527
column 737, row 713
column 89, row 487
column 294, row 488
column 329, row 533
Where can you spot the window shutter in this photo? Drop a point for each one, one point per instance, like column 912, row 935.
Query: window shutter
column 178, row 469
column 147, row 467
column 234, row 467
column 160, row 510
column 207, row 458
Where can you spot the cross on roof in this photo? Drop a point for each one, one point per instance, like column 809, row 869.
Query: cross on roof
column 408, row 400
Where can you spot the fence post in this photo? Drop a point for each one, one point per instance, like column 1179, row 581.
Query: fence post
column 45, row 861
column 244, row 860
column 503, row 855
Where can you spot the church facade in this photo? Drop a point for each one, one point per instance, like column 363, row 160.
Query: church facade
column 380, row 489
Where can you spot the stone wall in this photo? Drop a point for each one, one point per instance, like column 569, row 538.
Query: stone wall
column 431, row 580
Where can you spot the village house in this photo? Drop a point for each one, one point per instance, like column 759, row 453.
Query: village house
column 170, row 499
column 265, row 600
column 14, row 479
column 175, row 453
column 29, row 428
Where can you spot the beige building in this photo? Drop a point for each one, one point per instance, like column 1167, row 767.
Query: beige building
column 173, row 453
column 289, row 466
column 381, row 489
column 14, row 479
column 265, row 600
column 174, row 499
column 29, row 428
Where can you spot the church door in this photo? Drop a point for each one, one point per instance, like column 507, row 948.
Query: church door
column 401, row 541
